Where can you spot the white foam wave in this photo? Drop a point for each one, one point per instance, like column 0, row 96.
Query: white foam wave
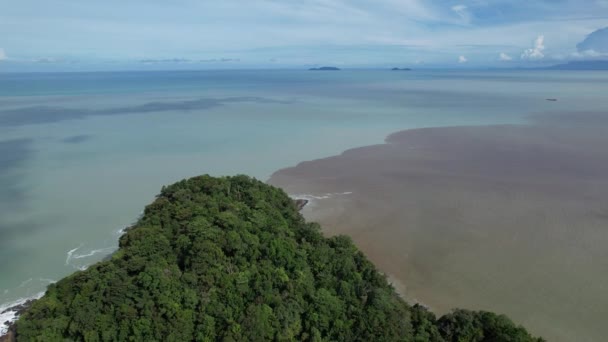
column 92, row 253
column 312, row 198
column 70, row 253
column 9, row 315
column 78, row 261
column 47, row 280
column 121, row 231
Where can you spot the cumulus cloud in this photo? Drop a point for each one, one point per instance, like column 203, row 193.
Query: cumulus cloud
column 2, row 54
column 536, row 52
column 462, row 59
column 504, row 57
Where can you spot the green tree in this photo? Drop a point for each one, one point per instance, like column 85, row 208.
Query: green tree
column 231, row 259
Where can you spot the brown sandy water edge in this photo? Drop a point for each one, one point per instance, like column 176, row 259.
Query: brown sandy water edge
column 508, row 218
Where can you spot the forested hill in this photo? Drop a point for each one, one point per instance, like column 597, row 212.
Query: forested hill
column 231, row 259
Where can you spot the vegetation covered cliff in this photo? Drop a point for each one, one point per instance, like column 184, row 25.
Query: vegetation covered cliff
column 231, row 259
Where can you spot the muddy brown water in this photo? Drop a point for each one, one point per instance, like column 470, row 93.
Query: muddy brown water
column 510, row 218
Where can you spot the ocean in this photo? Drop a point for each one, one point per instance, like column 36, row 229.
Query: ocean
column 81, row 154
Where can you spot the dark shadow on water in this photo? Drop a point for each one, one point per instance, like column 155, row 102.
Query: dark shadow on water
column 47, row 114
column 15, row 224
column 76, row 139
column 13, row 155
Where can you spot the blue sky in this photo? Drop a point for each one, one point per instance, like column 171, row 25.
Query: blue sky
column 203, row 34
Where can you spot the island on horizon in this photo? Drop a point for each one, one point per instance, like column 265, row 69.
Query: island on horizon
column 325, row 68
column 401, row 69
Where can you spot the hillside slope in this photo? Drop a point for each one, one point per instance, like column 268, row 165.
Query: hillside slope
column 231, row 259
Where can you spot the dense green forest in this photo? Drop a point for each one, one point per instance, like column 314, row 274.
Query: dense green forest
column 231, row 259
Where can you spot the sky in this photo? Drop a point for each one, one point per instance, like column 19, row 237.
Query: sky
column 71, row 35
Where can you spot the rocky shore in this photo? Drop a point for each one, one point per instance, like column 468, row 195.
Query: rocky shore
column 18, row 310
column 300, row 203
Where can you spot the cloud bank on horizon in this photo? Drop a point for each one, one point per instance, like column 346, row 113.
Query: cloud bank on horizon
column 143, row 34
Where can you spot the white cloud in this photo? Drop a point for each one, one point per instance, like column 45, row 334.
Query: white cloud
column 591, row 54
column 2, row 54
column 462, row 12
column 318, row 30
column 504, row 57
column 536, row 52
column 412, row 9
column 462, row 59
column 459, row 8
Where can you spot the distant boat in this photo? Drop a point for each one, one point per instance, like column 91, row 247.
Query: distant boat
column 325, row 68
column 552, row 100
column 401, row 69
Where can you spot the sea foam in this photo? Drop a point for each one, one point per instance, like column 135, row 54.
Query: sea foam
column 9, row 316
column 92, row 253
column 70, row 253
column 313, row 198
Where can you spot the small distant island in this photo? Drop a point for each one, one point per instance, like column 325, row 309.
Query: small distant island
column 325, row 68
column 401, row 69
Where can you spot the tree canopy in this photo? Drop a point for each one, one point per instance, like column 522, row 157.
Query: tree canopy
column 231, row 259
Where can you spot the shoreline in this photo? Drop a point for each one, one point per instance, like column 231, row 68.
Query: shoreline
column 413, row 172
column 10, row 314
column 459, row 216
column 300, row 203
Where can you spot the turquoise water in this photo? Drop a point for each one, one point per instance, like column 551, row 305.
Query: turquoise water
column 82, row 153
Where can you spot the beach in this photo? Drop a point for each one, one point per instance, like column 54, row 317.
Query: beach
column 508, row 218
